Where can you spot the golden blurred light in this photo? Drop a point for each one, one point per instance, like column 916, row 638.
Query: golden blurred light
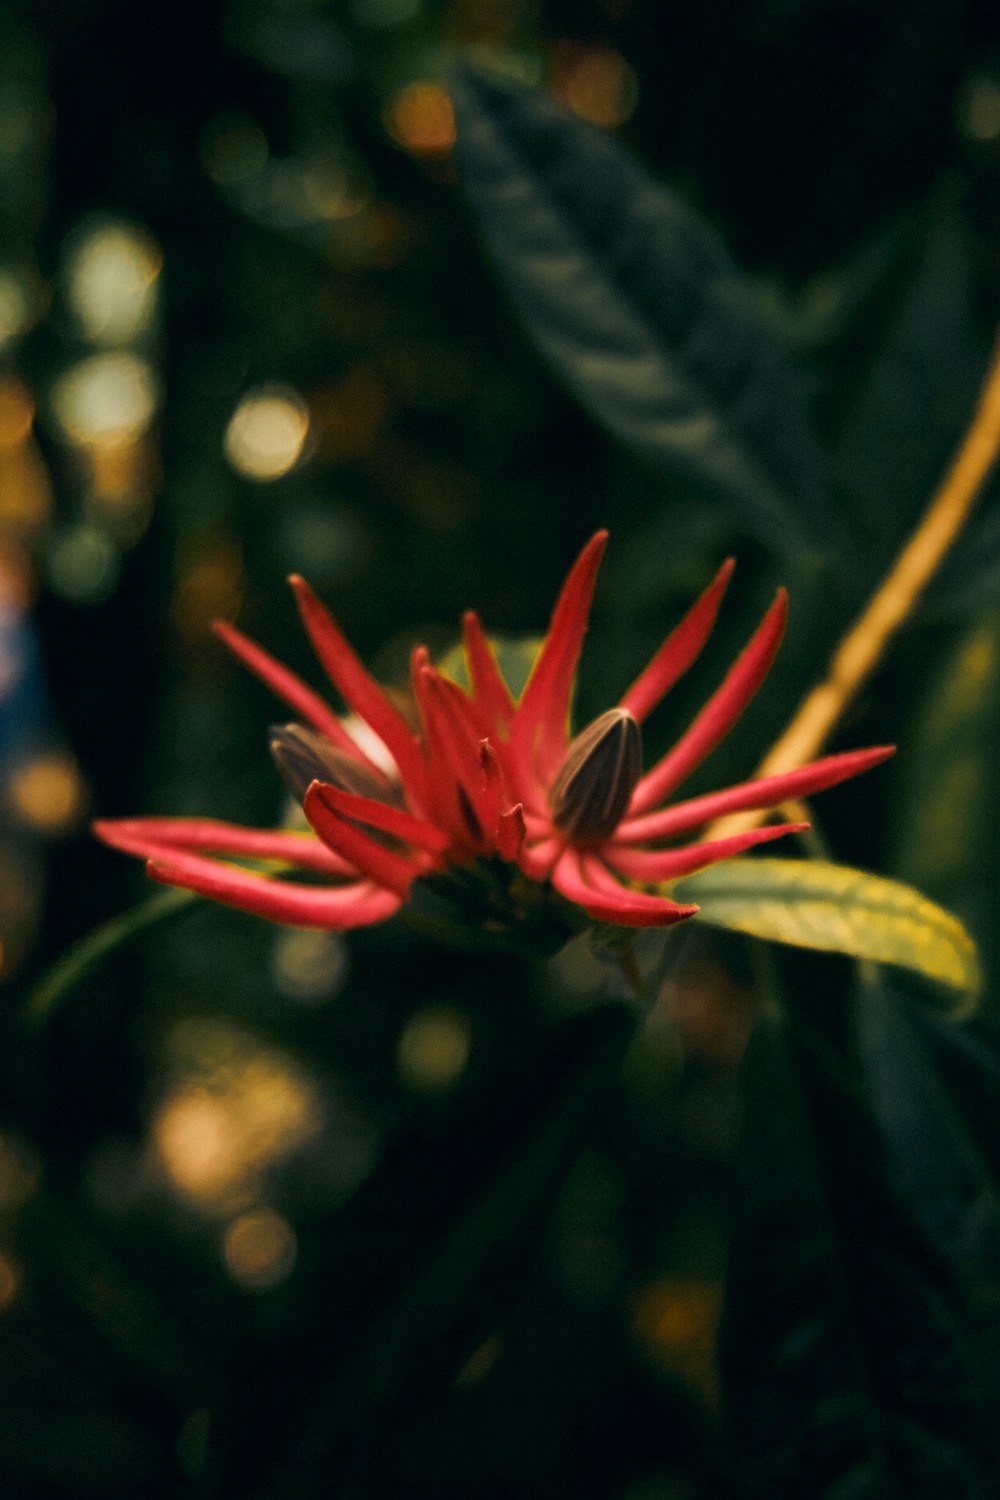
column 384, row 12
column 209, row 582
column 105, row 398
column 234, row 151
column 979, row 109
column 433, row 1050
column 112, row 282
column 335, row 187
column 259, row 1249
column 240, row 1110
column 596, row 82
column 48, row 792
column 16, row 304
column 267, row 433
column 17, row 412
column 82, row 563
column 10, row 1281
column 421, row 120
column 677, row 1321
column 309, row 965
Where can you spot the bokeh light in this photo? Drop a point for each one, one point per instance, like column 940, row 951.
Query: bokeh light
column 47, row 792
column 18, row 297
column 259, row 1249
column 309, row 966
column 105, row 398
column 433, row 1050
column 112, row 279
column 82, row 563
column 596, row 83
column 10, row 1281
column 420, row 118
column 267, row 433
column 236, row 1110
column 25, row 487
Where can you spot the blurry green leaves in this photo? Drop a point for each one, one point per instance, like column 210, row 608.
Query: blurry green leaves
column 813, row 904
column 633, row 301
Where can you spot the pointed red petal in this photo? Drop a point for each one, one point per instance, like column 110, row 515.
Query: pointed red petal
column 489, row 690
column 668, row 864
column 150, row 836
column 467, row 801
column 358, row 688
column 583, row 881
column 394, row 871
column 679, row 650
column 767, row 791
column 356, row 905
column 391, row 820
column 510, row 832
column 720, row 712
column 292, row 690
column 541, row 721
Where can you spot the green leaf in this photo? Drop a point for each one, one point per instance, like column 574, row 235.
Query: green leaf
column 74, row 966
column 636, row 305
column 813, row 904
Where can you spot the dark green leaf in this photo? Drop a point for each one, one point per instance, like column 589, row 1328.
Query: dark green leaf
column 845, row 1353
column 638, row 308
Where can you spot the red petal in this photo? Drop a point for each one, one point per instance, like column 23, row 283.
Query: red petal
column 391, row 820
column 356, row 905
column 668, row 864
column 359, row 689
column 679, row 650
column 396, row 872
column 720, row 712
column 285, row 685
column 151, row 836
column 767, row 791
column 489, row 690
column 465, row 804
column 540, row 726
column 580, row 880
column 510, row 832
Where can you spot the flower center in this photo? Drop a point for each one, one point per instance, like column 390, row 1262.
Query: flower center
column 595, row 782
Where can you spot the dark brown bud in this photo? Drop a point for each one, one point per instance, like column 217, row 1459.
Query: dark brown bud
column 596, row 780
column 303, row 756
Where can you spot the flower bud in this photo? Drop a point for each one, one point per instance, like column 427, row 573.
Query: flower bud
column 303, row 756
column 596, row 780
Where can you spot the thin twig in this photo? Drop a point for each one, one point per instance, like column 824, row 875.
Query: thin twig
column 892, row 604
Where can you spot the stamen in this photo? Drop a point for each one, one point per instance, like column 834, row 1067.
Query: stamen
column 303, row 756
column 597, row 778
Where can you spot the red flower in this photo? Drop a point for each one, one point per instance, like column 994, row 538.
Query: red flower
column 485, row 778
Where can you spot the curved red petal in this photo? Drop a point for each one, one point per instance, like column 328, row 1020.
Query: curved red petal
column 358, row 688
column 394, row 871
column 150, row 836
column 767, row 791
column 669, row 864
column 720, row 713
column 541, row 720
column 356, row 905
column 575, row 878
column 681, row 648
column 392, row 820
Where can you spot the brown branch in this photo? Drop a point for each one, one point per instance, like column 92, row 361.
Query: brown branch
column 865, row 643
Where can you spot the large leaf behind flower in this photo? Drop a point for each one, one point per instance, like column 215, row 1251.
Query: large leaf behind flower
column 638, row 308
column 848, row 1359
column 814, row 904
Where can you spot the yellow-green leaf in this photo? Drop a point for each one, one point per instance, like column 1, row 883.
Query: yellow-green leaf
column 813, row 904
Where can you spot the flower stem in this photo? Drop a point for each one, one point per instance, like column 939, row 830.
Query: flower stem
column 893, row 602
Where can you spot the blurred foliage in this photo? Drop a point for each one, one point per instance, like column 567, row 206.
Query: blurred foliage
column 283, row 1214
